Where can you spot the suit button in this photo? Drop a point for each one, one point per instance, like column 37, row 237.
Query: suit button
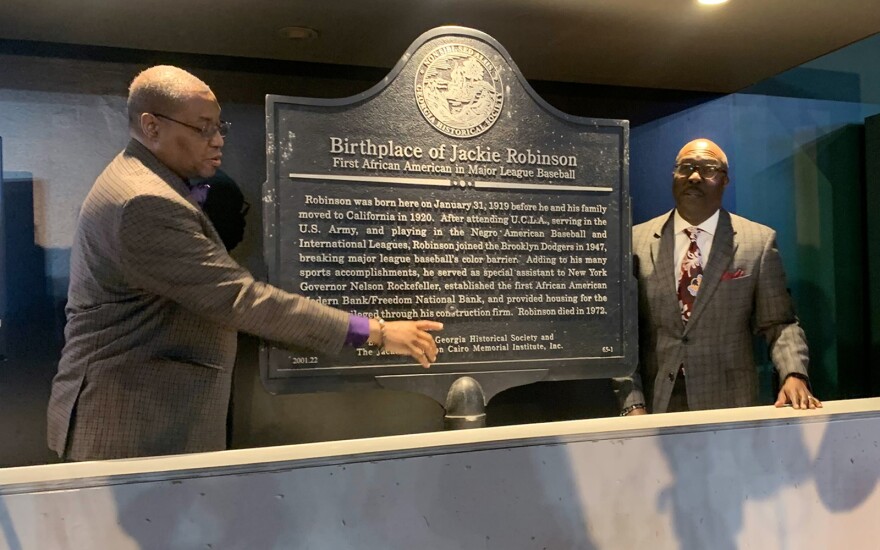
column 671, row 376
column 684, row 339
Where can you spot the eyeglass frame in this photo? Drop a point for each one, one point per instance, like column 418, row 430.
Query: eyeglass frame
column 698, row 168
column 221, row 128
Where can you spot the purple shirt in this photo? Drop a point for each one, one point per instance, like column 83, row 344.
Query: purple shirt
column 358, row 331
column 199, row 192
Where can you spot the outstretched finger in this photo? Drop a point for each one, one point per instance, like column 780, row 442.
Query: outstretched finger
column 424, row 324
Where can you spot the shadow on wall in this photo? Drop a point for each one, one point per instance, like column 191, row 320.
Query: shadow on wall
column 531, row 497
column 731, row 511
column 7, row 529
column 34, row 328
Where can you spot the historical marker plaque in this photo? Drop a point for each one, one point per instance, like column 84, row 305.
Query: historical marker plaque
column 451, row 191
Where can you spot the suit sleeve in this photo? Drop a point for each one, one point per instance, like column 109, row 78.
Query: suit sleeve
column 775, row 318
column 164, row 251
column 629, row 390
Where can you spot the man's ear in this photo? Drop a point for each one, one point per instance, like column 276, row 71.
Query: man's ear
column 149, row 126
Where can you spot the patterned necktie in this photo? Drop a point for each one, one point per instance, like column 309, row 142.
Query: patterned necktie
column 691, row 275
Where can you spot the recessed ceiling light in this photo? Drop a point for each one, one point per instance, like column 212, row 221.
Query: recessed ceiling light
column 712, row 2
column 299, row 33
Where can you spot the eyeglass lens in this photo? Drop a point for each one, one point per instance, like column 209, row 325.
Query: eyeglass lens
column 705, row 170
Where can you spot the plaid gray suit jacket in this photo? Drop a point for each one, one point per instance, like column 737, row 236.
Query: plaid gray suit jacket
column 153, row 309
column 715, row 346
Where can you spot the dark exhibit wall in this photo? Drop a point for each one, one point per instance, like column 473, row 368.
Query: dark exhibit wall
column 62, row 117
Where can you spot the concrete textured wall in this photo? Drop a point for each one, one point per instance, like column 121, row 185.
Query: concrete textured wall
column 738, row 479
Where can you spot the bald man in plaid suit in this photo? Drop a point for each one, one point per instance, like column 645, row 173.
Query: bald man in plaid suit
column 708, row 280
column 155, row 301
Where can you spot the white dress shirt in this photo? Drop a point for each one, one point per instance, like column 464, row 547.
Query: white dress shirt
column 682, row 241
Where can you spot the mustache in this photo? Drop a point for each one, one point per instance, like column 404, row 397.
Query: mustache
column 692, row 189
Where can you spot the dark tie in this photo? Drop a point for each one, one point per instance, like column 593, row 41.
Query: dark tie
column 691, row 275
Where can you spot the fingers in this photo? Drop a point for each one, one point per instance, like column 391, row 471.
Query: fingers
column 800, row 398
column 781, row 399
column 425, row 346
column 428, row 325
column 419, row 355
column 427, row 340
column 411, row 338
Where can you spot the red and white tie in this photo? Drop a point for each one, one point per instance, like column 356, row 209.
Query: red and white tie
column 691, row 275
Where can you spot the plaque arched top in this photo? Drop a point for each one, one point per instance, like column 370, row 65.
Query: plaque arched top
column 440, row 37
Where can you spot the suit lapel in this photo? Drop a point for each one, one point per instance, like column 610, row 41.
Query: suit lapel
column 723, row 249
column 662, row 252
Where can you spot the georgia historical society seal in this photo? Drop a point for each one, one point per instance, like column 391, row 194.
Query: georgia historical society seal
column 459, row 90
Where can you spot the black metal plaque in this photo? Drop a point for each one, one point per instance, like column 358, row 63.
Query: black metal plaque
column 451, row 191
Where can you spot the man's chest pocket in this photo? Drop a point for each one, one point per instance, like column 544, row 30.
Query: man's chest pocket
column 735, row 294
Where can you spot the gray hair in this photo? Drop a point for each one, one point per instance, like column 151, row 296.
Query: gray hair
column 160, row 89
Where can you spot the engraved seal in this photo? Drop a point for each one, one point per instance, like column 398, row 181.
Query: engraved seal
column 458, row 90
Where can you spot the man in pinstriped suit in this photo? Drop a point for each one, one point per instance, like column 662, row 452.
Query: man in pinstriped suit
column 155, row 301
column 702, row 358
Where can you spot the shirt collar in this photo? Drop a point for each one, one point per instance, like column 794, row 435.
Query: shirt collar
column 708, row 226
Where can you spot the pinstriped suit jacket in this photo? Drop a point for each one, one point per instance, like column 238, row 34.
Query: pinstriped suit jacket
column 715, row 346
column 153, row 309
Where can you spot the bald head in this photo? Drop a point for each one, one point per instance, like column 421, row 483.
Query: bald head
column 176, row 116
column 161, row 89
column 702, row 147
column 699, row 180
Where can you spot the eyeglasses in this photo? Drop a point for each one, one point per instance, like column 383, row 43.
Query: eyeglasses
column 208, row 132
column 706, row 171
column 245, row 208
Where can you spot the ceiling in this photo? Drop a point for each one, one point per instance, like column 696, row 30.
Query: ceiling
column 672, row 44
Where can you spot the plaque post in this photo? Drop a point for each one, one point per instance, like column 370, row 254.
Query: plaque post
column 465, row 405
